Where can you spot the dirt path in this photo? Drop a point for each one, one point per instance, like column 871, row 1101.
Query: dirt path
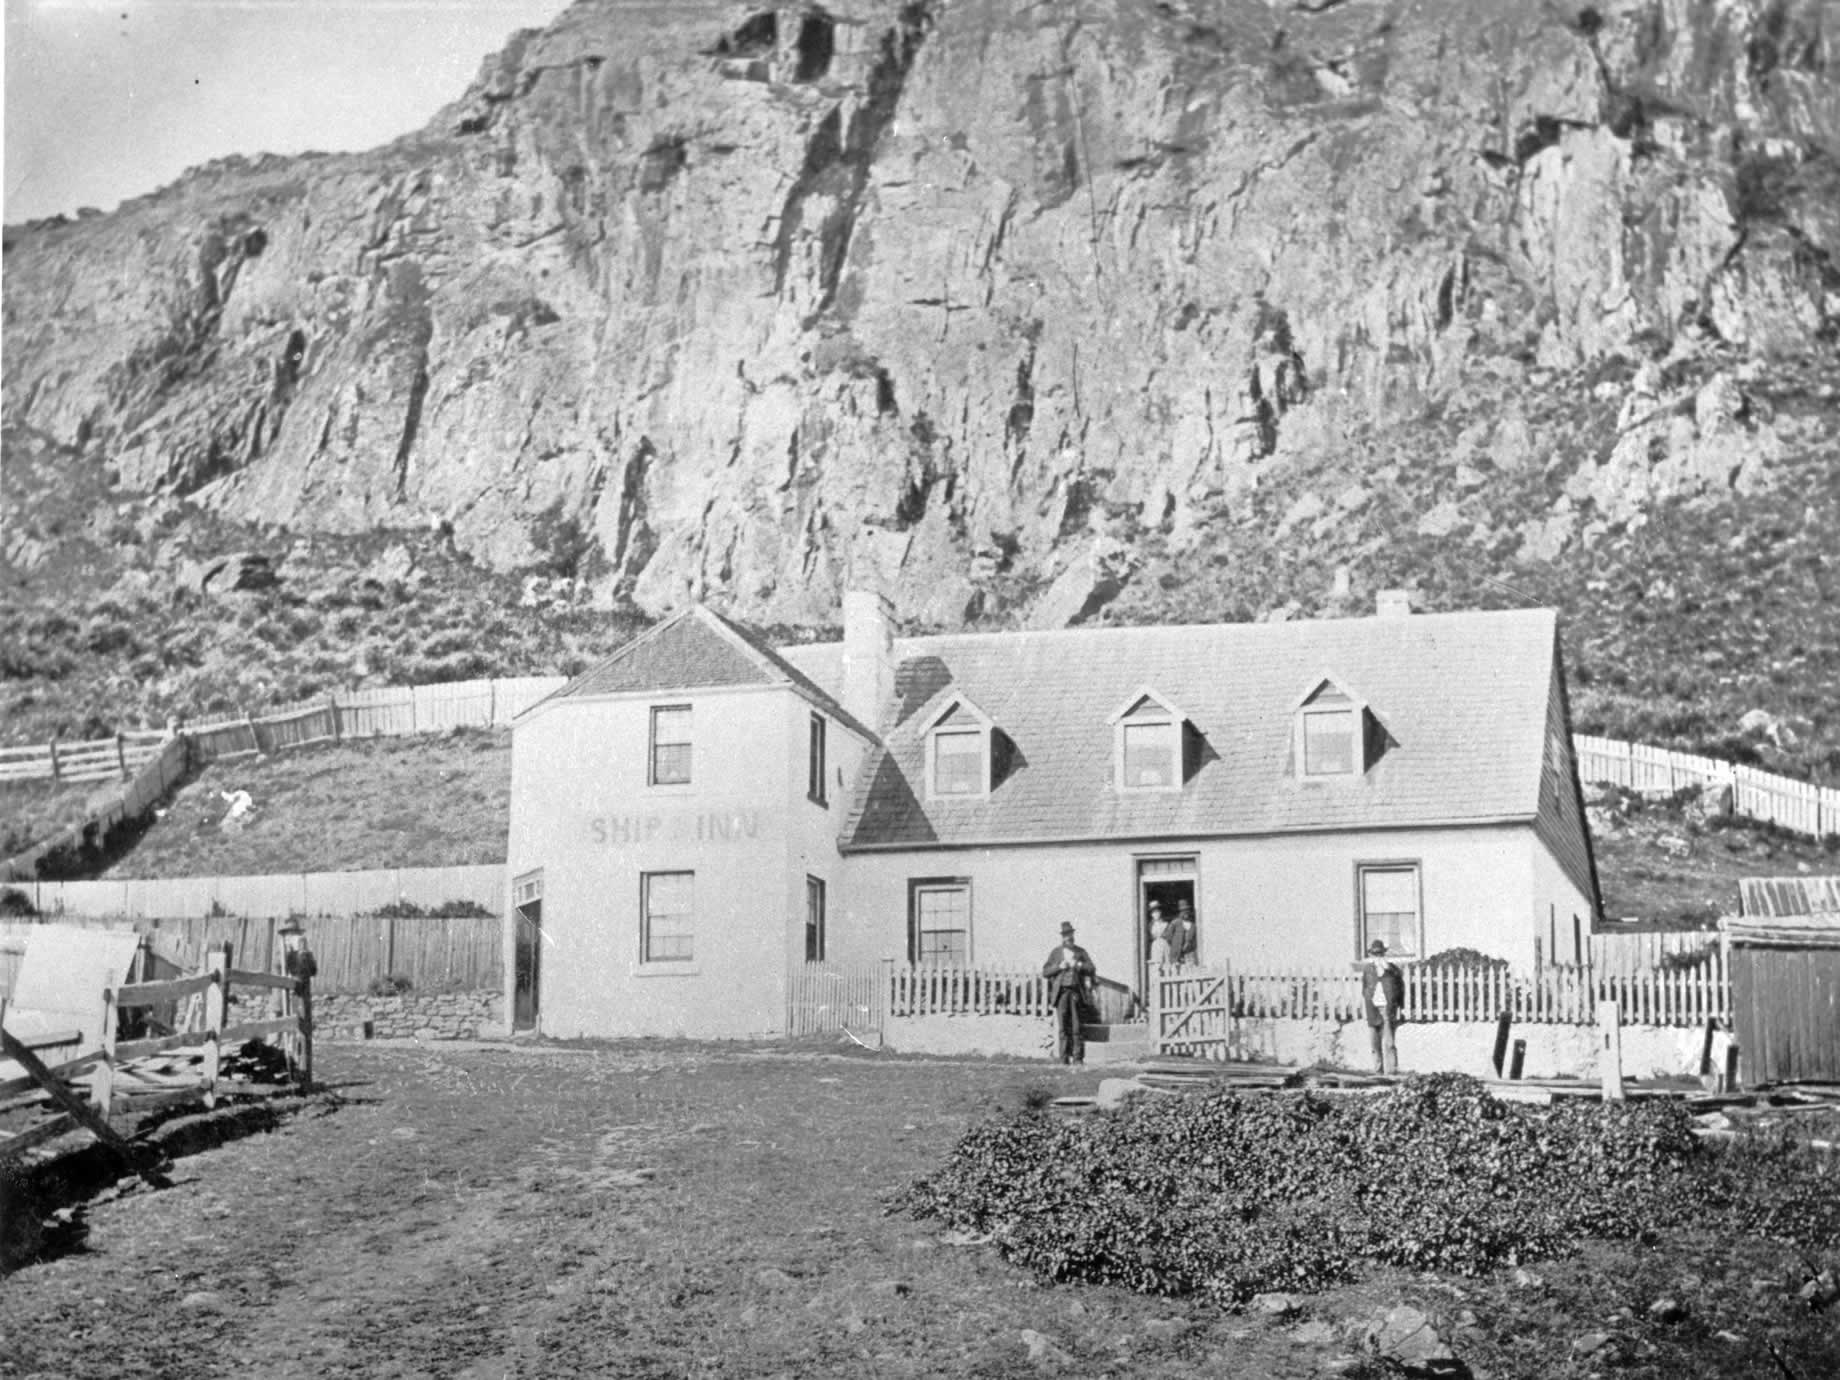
column 635, row 1211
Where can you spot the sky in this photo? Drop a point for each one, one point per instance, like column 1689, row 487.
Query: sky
column 107, row 99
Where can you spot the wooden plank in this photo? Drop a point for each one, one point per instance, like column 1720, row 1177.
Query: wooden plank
column 50, row 1129
column 148, row 1102
column 159, row 993
column 256, row 1030
column 1610, row 1052
column 62, row 1095
column 141, row 1049
column 240, row 977
column 66, row 1070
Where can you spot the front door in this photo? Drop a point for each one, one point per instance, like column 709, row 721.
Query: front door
column 527, row 903
column 1170, row 883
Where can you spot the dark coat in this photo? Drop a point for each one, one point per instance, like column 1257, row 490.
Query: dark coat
column 1384, row 975
column 1078, row 978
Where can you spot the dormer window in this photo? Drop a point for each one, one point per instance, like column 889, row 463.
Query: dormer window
column 1331, row 734
column 958, row 751
column 1147, row 746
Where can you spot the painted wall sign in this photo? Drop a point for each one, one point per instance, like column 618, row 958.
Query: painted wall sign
column 676, row 826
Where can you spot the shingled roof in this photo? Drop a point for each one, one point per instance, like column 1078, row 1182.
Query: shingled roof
column 697, row 649
column 1461, row 699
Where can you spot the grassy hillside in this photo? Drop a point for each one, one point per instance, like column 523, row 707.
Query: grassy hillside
column 438, row 800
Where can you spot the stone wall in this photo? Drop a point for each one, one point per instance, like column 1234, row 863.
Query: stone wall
column 419, row 1015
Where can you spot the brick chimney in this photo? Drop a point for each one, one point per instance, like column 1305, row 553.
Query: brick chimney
column 868, row 657
column 1393, row 603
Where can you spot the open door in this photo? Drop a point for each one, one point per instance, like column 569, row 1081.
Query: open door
column 1169, row 882
column 527, row 906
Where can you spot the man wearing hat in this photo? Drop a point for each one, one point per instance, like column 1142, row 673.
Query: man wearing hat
column 1070, row 973
column 1383, row 995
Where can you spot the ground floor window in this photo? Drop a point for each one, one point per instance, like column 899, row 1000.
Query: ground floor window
column 1388, row 896
column 814, row 919
column 939, row 921
column 669, row 923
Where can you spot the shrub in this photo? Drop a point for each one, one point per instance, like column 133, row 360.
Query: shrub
column 13, row 901
column 389, row 985
column 1229, row 1196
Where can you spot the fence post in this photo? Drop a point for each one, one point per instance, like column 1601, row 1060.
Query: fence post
column 1610, row 1052
column 216, row 1004
column 56, row 773
column 121, row 753
column 332, row 714
column 306, row 1032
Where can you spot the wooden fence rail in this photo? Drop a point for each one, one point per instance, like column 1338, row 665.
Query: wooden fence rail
column 85, row 1092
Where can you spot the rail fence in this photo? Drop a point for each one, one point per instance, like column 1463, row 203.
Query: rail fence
column 1191, row 1008
column 436, row 953
column 152, row 775
column 178, row 1064
column 97, row 759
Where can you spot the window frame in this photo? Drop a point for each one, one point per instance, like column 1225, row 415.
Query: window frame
column 687, row 743
column 917, row 887
column 817, row 761
column 1343, row 702
column 815, row 890
column 1362, row 938
column 1147, row 709
column 656, row 961
column 957, row 717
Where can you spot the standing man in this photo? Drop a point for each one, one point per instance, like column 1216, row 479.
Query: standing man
column 1182, row 934
column 1383, row 995
column 1070, row 973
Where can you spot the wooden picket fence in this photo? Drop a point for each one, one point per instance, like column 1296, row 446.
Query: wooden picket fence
column 180, row 1067
column 1798, row 806
column 825, row 998
column 1195, row 1008
column 391, row 711
column 436, row 953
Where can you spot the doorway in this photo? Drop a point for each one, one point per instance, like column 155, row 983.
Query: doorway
column 527, row 907
column 1171, row 883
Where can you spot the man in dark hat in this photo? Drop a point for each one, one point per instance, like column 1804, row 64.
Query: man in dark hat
column 1383, row 995
column 1070, row 974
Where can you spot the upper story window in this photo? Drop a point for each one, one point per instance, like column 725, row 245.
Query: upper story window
column 1331, row 734
column 670, row 747
column 958, row 751
column 1148, row 744
column 814, row 767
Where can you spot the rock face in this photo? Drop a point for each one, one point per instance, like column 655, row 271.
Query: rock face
column 761, row 303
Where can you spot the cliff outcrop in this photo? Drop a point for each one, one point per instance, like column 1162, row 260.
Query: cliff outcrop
column 981, row 298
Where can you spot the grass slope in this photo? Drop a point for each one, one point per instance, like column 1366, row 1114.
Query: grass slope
column 437, row 800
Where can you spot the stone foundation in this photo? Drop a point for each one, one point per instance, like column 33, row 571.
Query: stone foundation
column 1028, row 1037
column 418, row 1015
column 1553, row 1051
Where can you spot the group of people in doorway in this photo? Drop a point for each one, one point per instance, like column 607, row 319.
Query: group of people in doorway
column 1172, row 937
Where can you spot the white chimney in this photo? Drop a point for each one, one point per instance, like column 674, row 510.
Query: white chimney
column 868, row 657
column 1393, row 603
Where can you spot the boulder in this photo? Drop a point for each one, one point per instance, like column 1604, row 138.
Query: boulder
column 1404, row 1337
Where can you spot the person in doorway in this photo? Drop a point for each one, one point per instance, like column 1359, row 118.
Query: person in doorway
column 1383, row 996
column 1182, row 934
column 1159, row 937
column 1070, row 973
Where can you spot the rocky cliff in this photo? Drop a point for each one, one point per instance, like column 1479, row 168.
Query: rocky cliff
column 980, row 298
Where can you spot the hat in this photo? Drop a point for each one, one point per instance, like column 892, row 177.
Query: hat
column 1066, row 927
column 1376, row 947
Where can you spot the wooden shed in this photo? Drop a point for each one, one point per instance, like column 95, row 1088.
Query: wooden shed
column 1785, row 979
